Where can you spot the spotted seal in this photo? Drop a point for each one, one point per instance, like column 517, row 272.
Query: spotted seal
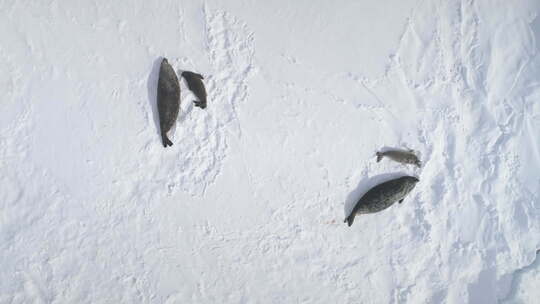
column 195, row 85
column 383, row 196
column 401, row 156
column 168, row 100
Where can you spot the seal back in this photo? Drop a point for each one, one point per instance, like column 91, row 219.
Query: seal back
column 168, row 99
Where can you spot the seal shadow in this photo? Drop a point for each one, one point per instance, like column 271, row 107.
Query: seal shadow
column 365, row 185
column 151, row 85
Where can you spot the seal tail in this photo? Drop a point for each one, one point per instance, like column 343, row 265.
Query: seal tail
column 166, row 141
column 350, row 219
column 379, row 156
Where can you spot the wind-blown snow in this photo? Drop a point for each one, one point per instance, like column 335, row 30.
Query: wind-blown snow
column 248, row 205
column 525, row 284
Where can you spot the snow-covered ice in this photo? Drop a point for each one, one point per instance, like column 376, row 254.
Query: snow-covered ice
column 248, row 205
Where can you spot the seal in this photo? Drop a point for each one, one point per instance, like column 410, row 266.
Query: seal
column 383, row 196
column 195, row 85
column 168, row 100
column 401, row 156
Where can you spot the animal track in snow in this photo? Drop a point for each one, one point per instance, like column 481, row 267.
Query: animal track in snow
column 231, row 53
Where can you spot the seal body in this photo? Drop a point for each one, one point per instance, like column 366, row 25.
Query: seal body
column 195, row 85
column 404, row 157
column 168, row 99
column 383, row 196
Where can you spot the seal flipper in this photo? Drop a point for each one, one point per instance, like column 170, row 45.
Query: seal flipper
column 350, row 219
column 166, row 141
column 199, row 104
column 199, row 75
column 379, row 156
column 401, row 200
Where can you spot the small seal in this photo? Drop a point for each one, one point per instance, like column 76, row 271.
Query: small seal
column 383, row 196
column 401, row 156
column 195, row 84
column 168, row 99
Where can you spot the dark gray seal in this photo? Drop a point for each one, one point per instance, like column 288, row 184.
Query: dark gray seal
column 195, row 85
column 401, row 156
column 168, row 100
column 383, row 196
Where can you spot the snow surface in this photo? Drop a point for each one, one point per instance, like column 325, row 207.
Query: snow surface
column 248, row 205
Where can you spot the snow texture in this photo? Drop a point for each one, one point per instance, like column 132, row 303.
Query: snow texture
column 248, row 205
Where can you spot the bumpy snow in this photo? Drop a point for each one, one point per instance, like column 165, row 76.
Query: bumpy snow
column 248, row 205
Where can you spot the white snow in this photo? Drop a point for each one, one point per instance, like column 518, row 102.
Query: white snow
column 525, row 284
column 248, row 205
